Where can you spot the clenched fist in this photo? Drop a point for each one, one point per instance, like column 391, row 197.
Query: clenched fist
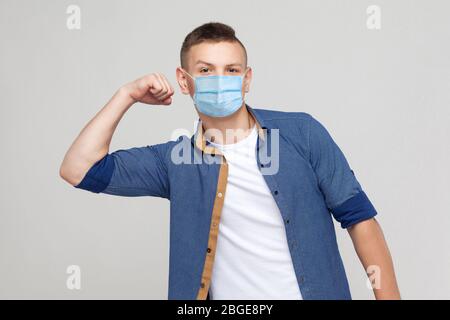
column 151, row 89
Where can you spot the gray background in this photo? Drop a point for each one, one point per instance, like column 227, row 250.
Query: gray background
column 383, row 95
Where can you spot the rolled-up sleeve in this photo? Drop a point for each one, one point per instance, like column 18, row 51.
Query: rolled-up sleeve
column 134, row 172
column 343, row 194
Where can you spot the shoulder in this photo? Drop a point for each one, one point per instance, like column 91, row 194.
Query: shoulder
column 181, row 146
column 279, row 114
column 302, row 120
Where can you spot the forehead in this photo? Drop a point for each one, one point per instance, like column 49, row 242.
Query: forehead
column 216, row 53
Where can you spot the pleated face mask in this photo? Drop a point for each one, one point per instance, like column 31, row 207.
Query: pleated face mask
column 218, row 96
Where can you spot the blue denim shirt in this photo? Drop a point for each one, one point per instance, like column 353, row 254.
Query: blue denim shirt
column 311, row 183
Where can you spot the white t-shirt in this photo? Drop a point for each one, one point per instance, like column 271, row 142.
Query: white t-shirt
column 252, row 259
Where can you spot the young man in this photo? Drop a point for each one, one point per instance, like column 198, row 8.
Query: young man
column 252, row 192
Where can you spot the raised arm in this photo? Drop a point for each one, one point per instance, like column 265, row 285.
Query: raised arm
column 92, row 143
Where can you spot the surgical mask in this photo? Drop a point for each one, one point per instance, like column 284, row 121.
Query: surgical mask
column 218, row 96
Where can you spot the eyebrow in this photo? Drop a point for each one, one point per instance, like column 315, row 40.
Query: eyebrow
column 210, row 64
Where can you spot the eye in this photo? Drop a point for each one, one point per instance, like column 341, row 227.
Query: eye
column 204, row 69
column 233, row 70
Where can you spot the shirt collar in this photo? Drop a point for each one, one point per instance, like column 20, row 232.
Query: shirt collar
column 202, row 144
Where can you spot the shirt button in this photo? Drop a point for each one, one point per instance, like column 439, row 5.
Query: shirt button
column 202, row 285
column 275, row 192
column 262, row 165
column 301, row 279
column 287, row 220
column 208, row 250
column 220, row 194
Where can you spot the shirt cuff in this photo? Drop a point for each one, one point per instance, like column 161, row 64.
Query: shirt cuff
column 356, row 209
column 99, row 175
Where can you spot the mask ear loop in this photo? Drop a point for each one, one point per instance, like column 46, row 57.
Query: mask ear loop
column 243, row 76
column 188, row 74
column 194, row 85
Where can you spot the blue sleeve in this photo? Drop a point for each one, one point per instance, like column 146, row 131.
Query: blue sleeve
column 134, row 172
column 343, row 194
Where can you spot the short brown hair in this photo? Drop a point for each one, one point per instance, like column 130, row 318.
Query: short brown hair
column 211, row 32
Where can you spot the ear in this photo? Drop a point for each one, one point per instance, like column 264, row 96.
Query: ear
column 184, row 81
column 248, row 79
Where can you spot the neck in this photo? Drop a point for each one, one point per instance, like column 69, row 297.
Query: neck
column 230, row 129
